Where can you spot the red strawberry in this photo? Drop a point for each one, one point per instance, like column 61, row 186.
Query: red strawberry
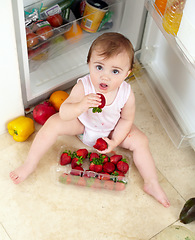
column 93, row 155
column 69, row 179
column 105, row 158
column 78, row 168
column 117, row 176
column 118, row 173
column 89, row 174
column 82, row 153
column 104, row 176
column 96, row 165
column 74, row 178
column 65, row 158
column 65, row 178
column 96, row 183
column 98, row 168
column 77, row 171
column 99, row 108
column 81, row 181
column 92, row 167
column 119, row 186
column 89, row 181
column 108, row 167
column 115, row 158
column 95, row 168
column 123, row 166
column 109, row 185
column 76, row 161
column 100, row 144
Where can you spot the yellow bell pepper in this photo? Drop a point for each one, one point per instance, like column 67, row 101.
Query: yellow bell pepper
column 21, row 128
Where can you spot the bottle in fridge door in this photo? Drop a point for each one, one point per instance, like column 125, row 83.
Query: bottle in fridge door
column 160, row 6
column 173, row 15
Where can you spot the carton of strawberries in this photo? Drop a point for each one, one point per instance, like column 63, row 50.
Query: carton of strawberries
column 92, row 169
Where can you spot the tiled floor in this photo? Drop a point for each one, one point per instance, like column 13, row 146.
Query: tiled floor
column 39, row 209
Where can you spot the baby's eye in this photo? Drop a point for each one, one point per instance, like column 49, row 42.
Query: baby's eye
column 115, row 71
column 99, row 67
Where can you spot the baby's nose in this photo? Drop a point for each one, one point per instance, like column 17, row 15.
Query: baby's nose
column 105, row 77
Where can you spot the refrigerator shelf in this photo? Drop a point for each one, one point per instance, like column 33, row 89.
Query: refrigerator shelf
column 167, row 108
column 174, row 41
column 62, row 61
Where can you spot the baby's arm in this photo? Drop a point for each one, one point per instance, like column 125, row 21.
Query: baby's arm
column 77, row 103
column 124, row 124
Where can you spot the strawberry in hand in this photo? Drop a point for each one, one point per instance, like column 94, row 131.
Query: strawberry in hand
column 103, row 103
column 100, row 144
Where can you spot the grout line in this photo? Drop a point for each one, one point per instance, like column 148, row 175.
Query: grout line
column 162, row 230
column 171, row 185
column 5, row 231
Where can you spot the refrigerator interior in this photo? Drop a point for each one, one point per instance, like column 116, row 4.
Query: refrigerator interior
column 167, row 77
column 65, row 61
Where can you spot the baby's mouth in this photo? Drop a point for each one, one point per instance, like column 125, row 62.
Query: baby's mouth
column 103, row 86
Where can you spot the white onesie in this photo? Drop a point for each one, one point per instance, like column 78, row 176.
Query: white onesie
column 99, row 125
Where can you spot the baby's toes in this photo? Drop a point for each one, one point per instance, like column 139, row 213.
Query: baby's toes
column 13, row 176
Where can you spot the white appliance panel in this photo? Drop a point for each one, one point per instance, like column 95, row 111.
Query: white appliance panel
column 169, row 80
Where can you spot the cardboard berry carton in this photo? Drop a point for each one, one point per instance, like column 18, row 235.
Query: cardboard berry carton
column 86, row 167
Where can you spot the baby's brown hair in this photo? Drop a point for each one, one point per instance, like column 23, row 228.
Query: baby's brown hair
column 111, row 44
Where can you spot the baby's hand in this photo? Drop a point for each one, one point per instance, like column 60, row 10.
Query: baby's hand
column 89, row 101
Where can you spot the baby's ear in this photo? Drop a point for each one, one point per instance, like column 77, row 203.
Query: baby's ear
column 128, row 73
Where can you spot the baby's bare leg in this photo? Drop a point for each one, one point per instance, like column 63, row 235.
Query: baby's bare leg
column 44, row 139
column 137, row 142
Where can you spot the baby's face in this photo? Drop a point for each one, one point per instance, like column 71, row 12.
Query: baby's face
column 108, row 74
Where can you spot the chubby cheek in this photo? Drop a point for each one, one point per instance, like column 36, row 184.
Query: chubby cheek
column 94, row 77
column 117, row 82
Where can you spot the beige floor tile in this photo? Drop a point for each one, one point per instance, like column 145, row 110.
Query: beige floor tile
column 39, row 208
column 176, row 232
column 44, row 210
column 5, row 141
column 3, row 234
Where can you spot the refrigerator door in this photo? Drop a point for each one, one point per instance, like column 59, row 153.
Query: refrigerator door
column 167, row 77
column 133, row 22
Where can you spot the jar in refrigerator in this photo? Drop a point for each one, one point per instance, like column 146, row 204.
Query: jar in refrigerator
column 173, row 15
column 160, row 6
column 57, row 8
column 93, row 14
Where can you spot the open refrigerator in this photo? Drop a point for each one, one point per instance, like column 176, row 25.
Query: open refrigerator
column 163, row 69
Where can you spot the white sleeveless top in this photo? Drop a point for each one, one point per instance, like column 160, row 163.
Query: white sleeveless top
column 101, row 124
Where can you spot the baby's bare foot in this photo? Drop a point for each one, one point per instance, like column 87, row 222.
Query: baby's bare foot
column 154, row 189
column 21, row 173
